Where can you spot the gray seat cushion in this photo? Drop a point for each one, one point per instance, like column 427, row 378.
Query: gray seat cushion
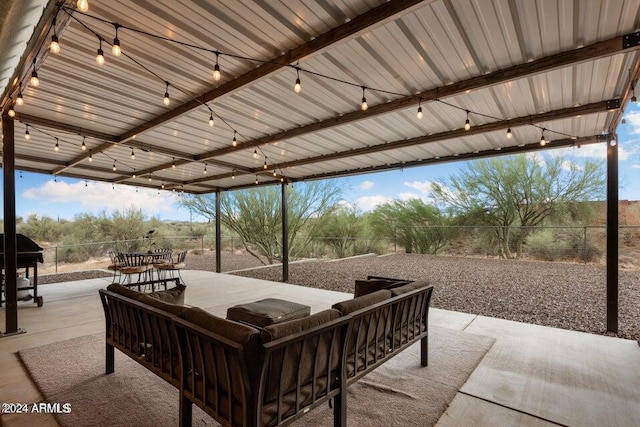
column 267, row 312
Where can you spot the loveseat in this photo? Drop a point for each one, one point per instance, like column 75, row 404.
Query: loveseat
column 242, row 375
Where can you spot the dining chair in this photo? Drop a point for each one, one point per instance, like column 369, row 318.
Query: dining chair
column 135, row 263
column 173, row 266
column 114, row 265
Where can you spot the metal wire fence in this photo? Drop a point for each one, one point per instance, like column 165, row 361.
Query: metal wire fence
column 585, row 244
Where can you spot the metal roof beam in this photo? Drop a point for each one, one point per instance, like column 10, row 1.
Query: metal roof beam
column 377, row 15
column 442, row 136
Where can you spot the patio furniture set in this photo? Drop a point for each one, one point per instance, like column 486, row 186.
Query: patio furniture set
column 271, row 361
column 162, row 262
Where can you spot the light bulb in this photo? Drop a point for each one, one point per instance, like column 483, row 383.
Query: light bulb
column 256, row 179
column 216, row 72
column 100, row 57
column 264, row 166
column 419, row 114
column 298, row 87
column 26, row 134
column 634, row 99
column 84, row 146
column 211, row 122
column 205, row 169
column 467, row 125
column 57, row 146
column 134, row 173
column 543, row 141
column 162, row 186
column 235, row 141
column 11, row 112
column 274, row 173
column 133, row 155
column 115, row 47
column 255, row 153
column 363, row 105
column 509, row 134
column 90, row 157
column 82, row 5
column 34, row 78
column 282, row 179
column 114, row 166
column 166, row 101
column 233, row 174
column 54, row 47
column 19, row 98
column 173, row 165
column 149, row 178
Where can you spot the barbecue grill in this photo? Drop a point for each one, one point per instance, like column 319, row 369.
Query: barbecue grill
column 29, row 254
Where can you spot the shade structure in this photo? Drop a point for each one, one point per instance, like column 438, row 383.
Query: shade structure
column 563, row 70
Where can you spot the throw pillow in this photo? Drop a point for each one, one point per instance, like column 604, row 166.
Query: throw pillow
column 172, row 296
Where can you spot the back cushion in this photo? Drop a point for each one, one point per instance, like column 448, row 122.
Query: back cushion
column 349, row 306
column 364, row 287
column 117, row 288
column 173, row 309
column 296, row 362
column 408, row 288
column 172, row 296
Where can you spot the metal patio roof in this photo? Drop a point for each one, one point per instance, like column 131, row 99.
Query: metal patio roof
column 562, row 68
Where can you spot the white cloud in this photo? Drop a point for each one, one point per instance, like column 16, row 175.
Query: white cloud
column 408, row 196
column 424, row 187
column 537, row 157
column 570, row 166
column 635, row 166
column 367, row 203
column 98, row 196
column 366, row 185
column 633, row 119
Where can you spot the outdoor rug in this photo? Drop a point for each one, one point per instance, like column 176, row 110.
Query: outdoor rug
column 398, row 393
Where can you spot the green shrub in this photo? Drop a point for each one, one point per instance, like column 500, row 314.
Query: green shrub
column 548, row 246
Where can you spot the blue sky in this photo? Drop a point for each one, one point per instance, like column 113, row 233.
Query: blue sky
column 41, row 195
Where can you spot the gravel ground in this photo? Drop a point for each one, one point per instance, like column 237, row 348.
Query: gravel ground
column 568, row 296
column 562, row 295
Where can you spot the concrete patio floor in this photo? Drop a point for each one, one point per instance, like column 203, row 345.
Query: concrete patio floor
column 532, row 376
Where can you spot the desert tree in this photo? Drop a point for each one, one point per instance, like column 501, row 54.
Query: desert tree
column 518, row 192
column 255, row 214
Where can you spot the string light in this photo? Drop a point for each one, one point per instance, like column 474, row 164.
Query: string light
column 133, row 155
column 11, row 112
column 264, row 166
column 255, row 153
column 234, row 143
column 149, row 177
column 54, row 47
column 282, row 179
column 90, row 157
column 134, row 173
column 86, row 184
column 166, row 101
column 115, row 47
column 233, row 174
column 173, row 165
column 543, row 141
column 57, row 146
column 467, row 124
column 363, row 105
column 509, row 134
column 100, row 54
column 19, row 98
column 211, row 122
column 256, row 179
column 82, row 5
column 205, row 169
column 34, row 75
column 84, row 146
column 26, row 134
column 297, row 87
column 216, row 69
column 274, row 173
column 114, row 166
column 419, row 114
column 162, row 186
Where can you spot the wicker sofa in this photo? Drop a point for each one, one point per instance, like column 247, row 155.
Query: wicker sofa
column 247, row 376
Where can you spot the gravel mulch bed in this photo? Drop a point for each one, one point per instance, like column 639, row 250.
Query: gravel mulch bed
column 71, row 277
column 568, row 296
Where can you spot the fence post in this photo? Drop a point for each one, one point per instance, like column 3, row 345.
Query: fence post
column 584, row 250
column 202, row 243
column 56, row 259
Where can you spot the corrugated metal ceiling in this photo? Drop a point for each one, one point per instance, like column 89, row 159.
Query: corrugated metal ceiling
column 502, row 51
